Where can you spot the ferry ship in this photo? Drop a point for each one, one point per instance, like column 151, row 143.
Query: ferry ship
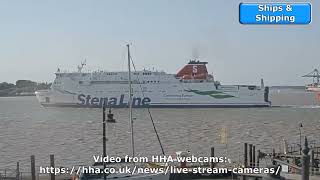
column 191, row 87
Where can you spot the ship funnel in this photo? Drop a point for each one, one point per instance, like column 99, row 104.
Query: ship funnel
column 194, row 70
column 262, row 83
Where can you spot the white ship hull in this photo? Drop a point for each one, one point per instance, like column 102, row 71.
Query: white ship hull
column 150, row 89
column 190, row 95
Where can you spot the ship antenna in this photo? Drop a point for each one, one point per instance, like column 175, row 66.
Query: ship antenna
column 83, row 63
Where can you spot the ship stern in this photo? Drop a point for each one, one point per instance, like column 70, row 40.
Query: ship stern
column 44, row 96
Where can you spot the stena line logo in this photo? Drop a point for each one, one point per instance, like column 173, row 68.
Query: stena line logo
column 88, row 100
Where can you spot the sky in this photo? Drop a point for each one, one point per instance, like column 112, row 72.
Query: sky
column 39, row 36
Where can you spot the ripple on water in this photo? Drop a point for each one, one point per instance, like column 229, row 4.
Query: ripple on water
column 75, row 135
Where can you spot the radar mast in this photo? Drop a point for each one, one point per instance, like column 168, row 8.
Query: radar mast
column 83, row 63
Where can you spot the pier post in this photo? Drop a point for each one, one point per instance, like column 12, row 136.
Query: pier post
column 104, row 139
column 250, row 155
column 18, row 172
column 273, row 153
column 305, row 158
column 254, row 156
column 245, row 158
column 52, row 175
column 273, row 156
column 212, row 155
column 312, row 162
column 258, row 159
column 33, row 168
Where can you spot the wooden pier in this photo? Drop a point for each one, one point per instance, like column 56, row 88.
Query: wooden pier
column 294, row 166
column 16, row 174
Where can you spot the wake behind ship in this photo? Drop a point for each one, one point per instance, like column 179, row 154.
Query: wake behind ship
column 191, row 87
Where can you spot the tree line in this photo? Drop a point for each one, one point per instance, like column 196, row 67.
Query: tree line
column 21, row 87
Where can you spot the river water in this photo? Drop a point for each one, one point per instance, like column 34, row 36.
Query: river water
column 74, row 135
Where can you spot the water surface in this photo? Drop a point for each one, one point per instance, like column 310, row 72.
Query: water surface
column 74, row 135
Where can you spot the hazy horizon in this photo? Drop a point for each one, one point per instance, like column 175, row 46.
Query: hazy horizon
column 37, row 37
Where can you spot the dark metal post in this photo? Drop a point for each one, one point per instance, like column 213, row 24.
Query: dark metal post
column 273, row 153
column 312, row 162
column 212, row 155
column 305, row 161
column 254, row 156
column 18, row 172
column 273, row 156
column 33, row 168
column 300, row 126
column 258, row 159
column 52, row 175
column 245, row 155
column 250, row 155
column 104, row 139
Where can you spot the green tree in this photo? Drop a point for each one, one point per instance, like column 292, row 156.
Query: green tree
column 25, row 83
column 6, row 85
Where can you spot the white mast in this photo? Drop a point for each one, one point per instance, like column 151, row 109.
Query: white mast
column 130, row 102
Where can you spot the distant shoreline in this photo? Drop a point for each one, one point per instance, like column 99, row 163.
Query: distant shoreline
column 21, row 88
column 19, row 95
column 287, row 87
